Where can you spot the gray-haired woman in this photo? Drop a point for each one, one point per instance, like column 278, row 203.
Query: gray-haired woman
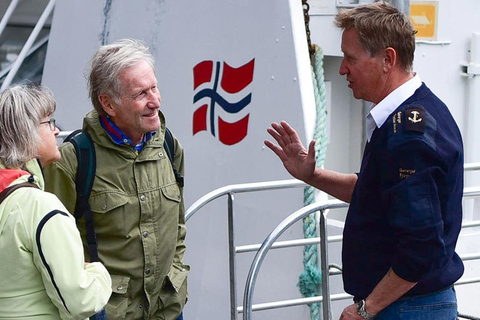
column 42, row 271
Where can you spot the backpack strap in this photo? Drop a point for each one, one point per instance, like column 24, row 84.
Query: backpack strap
column 86, row 168
column 6, row 192
column 72, row 134
column 170, row 149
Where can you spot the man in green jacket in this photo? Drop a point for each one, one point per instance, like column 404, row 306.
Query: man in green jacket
column 138, row 207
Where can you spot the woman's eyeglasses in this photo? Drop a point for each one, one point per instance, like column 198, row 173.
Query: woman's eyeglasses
column 51, row 123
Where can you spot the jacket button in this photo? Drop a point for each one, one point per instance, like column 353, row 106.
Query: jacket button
column 160, row 154
column 119, row 288
column 145, row 234
column 142, row 197
column 148, row 271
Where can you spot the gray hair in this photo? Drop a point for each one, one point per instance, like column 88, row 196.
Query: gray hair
column 22, row 108
column 381, row 25
column 107, row 65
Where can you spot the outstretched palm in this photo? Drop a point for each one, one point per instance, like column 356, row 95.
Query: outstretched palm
column 298, row 162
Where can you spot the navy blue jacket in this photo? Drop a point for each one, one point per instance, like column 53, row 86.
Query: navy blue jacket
column 406, row 209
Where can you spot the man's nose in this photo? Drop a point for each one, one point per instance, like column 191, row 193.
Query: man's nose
column 154, row 98
column 343, row 69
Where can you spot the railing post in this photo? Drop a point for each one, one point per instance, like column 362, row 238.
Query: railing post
column 232, row 259
column 324, row 266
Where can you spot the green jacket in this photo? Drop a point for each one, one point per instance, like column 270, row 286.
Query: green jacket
column 42, row 273
column 139, row 220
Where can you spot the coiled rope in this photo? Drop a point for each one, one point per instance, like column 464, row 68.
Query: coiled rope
column 310, row 279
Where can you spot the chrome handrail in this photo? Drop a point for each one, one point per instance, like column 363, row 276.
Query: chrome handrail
column 277, row 232
column 471, row 166
column 316, row 240
column 287, row 223
column 241, row 188
column 229, row 191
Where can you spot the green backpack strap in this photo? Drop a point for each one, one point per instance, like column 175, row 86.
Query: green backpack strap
column 170, row 149
column 86, row 168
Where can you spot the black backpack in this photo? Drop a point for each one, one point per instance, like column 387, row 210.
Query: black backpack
column 86, row 160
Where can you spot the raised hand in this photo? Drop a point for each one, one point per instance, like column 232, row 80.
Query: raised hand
column 299, row 162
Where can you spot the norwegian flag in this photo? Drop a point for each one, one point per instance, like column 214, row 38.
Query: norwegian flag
column 232, row 81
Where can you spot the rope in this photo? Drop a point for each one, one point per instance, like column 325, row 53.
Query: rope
column 310, row 279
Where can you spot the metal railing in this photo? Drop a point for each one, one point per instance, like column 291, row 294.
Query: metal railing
column 471, row 166
column 270, row 243
column 230, row 191
column 277, row 232
column 326, row 297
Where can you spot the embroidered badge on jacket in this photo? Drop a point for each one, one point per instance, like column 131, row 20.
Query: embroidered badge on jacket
column 414, row 119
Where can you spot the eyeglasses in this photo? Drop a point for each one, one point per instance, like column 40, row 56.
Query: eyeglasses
column 51, row 123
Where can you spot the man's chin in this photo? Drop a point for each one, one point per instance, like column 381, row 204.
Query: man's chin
column 356, row 95
column 153, row 123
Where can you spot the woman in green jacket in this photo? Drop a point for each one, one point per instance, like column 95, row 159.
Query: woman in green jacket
column 43, row 274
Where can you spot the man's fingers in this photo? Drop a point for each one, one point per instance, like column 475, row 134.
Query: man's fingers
column 287, row 127
column 281, row 131
column 290, row 133
column 286, row 138
column 276, row 149
column 275, row 135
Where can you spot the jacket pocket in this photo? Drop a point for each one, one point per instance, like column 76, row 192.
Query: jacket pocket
column 177, row 276
column 105, row 202
column 109, row 215
column 172, row 192
column 118, row 303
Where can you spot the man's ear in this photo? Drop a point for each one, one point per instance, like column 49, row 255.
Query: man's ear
column 107, row 104
column 389, row 59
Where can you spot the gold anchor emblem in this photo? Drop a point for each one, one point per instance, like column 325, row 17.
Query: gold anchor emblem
column 415, row 118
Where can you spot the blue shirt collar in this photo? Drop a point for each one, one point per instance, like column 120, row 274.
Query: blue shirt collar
column 119, row 137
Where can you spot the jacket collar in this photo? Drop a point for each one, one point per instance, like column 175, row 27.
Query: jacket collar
column 9, row 176
column 91, row 124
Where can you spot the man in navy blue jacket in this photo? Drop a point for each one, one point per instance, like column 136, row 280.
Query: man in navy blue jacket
column 405, row 213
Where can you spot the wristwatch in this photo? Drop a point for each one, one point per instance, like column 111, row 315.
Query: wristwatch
column 362, row 312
